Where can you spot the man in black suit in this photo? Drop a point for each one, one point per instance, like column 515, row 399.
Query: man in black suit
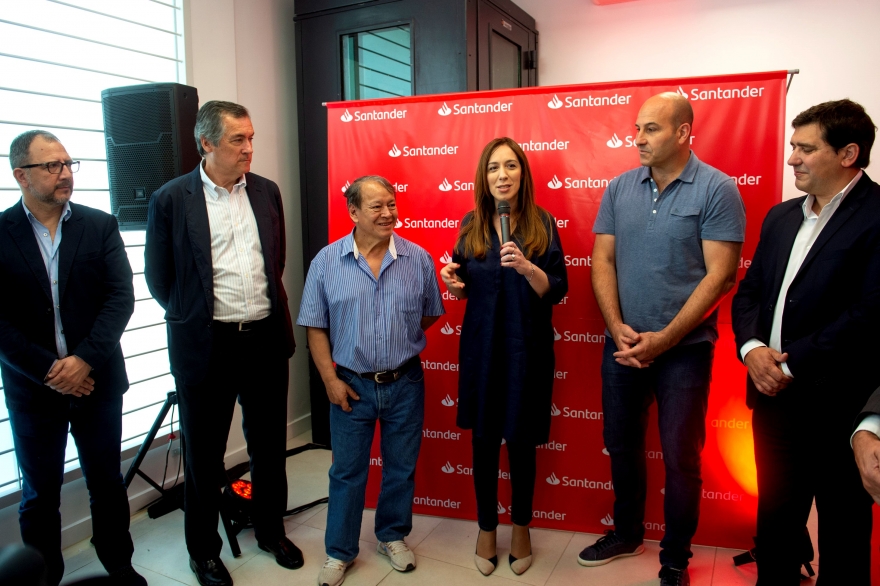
column 65, row 299
column 866, row 446
column 818, row 261
column 214, row 258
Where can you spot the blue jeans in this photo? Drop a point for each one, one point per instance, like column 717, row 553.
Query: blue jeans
column 40, row 440
column 399, row 407
column 679, row 379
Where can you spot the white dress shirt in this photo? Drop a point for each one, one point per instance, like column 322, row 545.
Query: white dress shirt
column 241, row 289
column 809, row 231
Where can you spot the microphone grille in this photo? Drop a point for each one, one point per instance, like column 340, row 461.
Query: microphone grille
column 503, row 207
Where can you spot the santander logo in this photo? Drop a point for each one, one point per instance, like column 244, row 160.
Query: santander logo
column 448, row 468
column 501, row 509
column 552, row 479
column 446, row 185
column 605, row 451
column 682, row 93
column 398, row 224
column 555, row 183
column 346, row 186
column 556, row 335
column 447, row 329
column 555, row 103
column 444, row 110
column 395, row 152
column 607, row 521
column 446, row 259
column 554, row 411
column 346, row 117
column 447, row 401
column 615, row 142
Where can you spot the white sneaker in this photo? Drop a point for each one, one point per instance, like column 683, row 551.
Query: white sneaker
column 401, row 557
column 333, row 572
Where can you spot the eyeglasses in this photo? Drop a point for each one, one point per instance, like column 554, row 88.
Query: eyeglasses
column 55, row 166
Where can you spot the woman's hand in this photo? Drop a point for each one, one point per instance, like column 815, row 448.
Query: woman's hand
column 453, row 283
column 512, row 258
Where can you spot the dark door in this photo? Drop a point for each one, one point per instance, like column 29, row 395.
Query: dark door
column 507, row 54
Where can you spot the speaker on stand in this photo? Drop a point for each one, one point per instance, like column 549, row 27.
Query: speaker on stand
column 148, row 133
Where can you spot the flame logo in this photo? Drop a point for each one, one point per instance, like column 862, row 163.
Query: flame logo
column 346, row 186
column 446, row 259
column 607, row 521
column 445, row 186
column 605, row 451
column 346, row 117
column 555, row 103
column 615, row 142
column 555, row 184
column 556, row 335
column 501, row 509
column 448, row 402
column 448, row 468
column 682, row 93
column 395, row 152
column 398, row 224
column 554, row 411
column 444, row 111
column 447, row 329
column 552, row 479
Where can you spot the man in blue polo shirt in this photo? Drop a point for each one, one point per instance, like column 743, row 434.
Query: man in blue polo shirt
column 668, row 239
column 368, row 299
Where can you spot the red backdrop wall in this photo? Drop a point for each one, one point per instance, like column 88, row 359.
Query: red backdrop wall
column 577, row 138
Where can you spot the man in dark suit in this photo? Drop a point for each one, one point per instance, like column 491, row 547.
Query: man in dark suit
column 866, row 446
column 65, row 299
column 214, row 258
column 818, row 261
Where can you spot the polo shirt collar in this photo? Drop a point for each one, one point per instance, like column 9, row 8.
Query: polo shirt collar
column 353, row 247
column 688, row 174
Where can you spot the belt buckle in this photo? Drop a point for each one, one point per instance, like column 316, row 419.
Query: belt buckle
column 240, row 324
column 377, row 375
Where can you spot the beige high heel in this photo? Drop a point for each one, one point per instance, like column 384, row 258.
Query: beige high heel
column 519, row 566
column 486, row 566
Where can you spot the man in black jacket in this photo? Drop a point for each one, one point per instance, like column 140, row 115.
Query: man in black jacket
column 804, row 318
column 64, row 303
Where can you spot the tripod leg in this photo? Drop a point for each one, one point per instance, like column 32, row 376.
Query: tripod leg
column 145, row 447
column 230, row 535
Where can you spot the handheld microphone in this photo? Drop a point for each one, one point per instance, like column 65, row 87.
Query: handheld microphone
column 504, row 215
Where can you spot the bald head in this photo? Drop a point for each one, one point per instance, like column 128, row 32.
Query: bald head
column 664, row 129
column 674, row 105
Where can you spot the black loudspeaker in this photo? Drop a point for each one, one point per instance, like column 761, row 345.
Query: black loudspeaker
column 148, row 132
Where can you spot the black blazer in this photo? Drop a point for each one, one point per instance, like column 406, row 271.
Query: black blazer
column 180, row 275
column 96, row 298
column 832, row 309
column 871, row 408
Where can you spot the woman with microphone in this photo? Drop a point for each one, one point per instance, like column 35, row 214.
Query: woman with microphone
column 506, row 362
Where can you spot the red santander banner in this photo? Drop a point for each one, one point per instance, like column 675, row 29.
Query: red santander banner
column 577, row 138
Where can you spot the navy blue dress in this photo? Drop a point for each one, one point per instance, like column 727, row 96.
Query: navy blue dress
column 506, row 358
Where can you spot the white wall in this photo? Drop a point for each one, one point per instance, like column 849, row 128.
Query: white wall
column 832, row 43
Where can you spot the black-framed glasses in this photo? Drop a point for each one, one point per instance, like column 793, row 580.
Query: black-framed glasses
column 55, row 166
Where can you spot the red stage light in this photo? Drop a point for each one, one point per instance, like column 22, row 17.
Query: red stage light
column 242, row 488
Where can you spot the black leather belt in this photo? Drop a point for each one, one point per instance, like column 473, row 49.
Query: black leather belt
column 239, row 327
column 389, row 376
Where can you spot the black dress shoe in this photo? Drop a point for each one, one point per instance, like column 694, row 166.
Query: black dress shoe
column 127, row 577
column 211, row 572
column 286, row 553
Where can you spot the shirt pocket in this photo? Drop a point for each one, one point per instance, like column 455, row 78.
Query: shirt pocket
column 684, row 222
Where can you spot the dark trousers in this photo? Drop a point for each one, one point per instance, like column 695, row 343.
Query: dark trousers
column 801, row 453
column 242, row 366
column 40, row 441
column 679, row 380
column 487, row 453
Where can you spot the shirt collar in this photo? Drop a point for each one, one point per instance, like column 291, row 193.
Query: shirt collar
column 687, row 174
column 65, row 211
column 357, row 253
column 835, row 202
column 212, row 187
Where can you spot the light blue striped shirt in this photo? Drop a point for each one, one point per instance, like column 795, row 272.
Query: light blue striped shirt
column 49, row 252
column 374, row 324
